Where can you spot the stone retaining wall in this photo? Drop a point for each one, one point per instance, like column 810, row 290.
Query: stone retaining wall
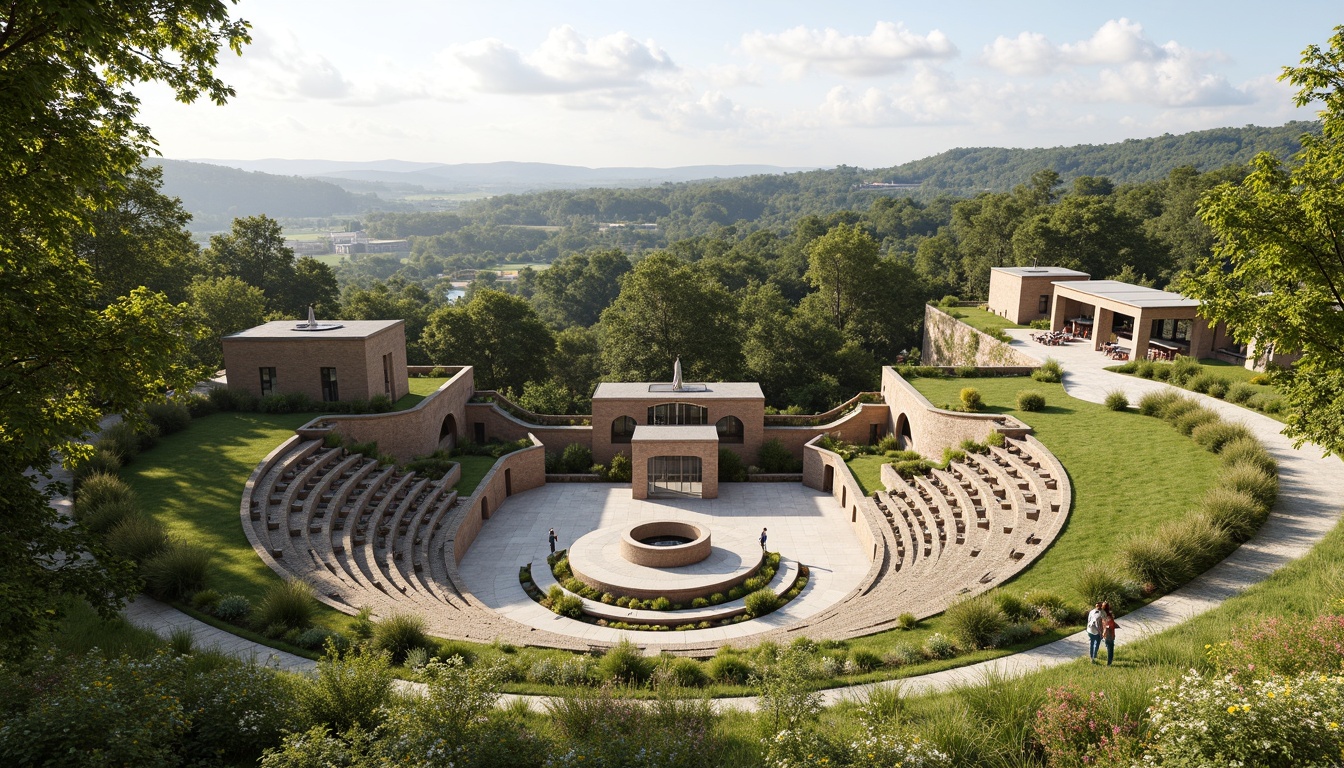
column 415, row 431
column 514, row 473
column 825, row 471
column 929, row 429
column 948, row 341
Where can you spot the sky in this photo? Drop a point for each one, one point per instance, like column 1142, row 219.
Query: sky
column 796, row 84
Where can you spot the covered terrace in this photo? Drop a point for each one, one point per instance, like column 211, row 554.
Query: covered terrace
column 1133, row 321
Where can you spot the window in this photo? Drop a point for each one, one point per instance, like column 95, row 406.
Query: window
column 267, row 381
column 622, row 429
column 330, row 394
column 1183, row 330
column 387, row 376
column 730, row 429
column 674, row 476
column 1043, row 306
column 678, row 414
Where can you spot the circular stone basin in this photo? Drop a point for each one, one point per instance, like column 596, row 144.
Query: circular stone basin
column 665, row 544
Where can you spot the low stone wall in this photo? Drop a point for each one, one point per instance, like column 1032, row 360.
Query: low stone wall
column 503, row 426
column 413, row 432
column 513, row 473
column 856, row 427
column 930, row 429
column 846, row 492
column 950, row 342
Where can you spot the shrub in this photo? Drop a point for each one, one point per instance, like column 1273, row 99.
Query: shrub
column 1260, row 485
column 1239, row 393
column 620, row 471
column 1177, row 407
column 177, row 572
column 168, row 417
column 565, row 605
column 1216, row 434
column 996, row 439
column 576, row 459
column 206, row 600
column 761, row 602
column 938, row 646
column 1076, row 729
column 1186, row 422
column 100, row 463
column 1259, row 379
column 717, row 598
column 951, row 454
column 1098, row 583
column 137, row 538
column 1050, row 372
column 380, row 404
column 1154, row 562
column 447, row 649
column 1217, row 389
column 731, row 468
column 866, row 660
column 661, row 604
column 1154, row 403
column 233, row 608
column 351, row 688
column 99, row 489
column 965, row 371
column 1013, row 606
column 774, row 458
column 1117, row 400
column 1183, row 369
column 975, row 622
column 1201, row 382
column 730, row 669
column 1051, row 606
column 1030, row 400
column 1234, row 511
column 1145, row 369
column 624, row 663
column 971, row 400
column 1162, row 372
column 1249, row 451
column 315, row 638
column 399, row 633
column 289, row 604
column 907, row 621
column 121, row 440
column 107, row 516
column 736, row 593
column 684, row 673
column 1267, row 403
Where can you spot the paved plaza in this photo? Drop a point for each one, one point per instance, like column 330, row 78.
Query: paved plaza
column 804, row 525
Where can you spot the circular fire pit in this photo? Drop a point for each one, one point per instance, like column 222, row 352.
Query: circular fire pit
column 665, row 544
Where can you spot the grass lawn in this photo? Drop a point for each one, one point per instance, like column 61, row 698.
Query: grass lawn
column 420, row 389
column 981, row 319
column 474, row 469
column 1233, row 374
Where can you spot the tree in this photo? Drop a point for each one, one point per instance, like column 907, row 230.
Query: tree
column 842, row 266
column 576, row 288
column 69, row 139
column 139, row 238
column 314, row 283
column 395, row 300
column 222, row 305
column 499, row 334
column 1277, row 272
column 254, row 251
column 668, row 309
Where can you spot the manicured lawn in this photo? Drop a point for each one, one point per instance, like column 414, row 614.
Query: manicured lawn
column 867, row 470
column 420, row 388
column 981, row 319
column 474, row 469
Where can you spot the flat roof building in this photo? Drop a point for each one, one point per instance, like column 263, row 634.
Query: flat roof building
column 328, row 361
column 1022, row 294
column 1136, row 318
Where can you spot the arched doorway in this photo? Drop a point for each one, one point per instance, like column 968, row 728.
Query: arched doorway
column 622, row 429
column 906, row 441
column 730, row 429
column 828, row 479
column 675, row 476
column 448, row 433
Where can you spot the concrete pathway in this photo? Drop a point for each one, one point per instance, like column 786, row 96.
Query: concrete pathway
column 1309, row 505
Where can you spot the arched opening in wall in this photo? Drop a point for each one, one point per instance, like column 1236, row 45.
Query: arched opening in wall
column 508, row 483
column 622, row 429
column 730, row 429
column 485, row 508
column 907, row 441
column 828, row 479
column 448, row 432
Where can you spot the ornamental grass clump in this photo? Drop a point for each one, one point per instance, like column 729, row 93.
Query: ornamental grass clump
column 1050, row 372
column 1195, row 417
column 1176, row 407
column 1154, row 403
column 1213, row 435
column 1030, row 400
column 289, row 604
column 98, row 489
column 1154, row 563
column 177, row 572
column 1239, row 393
column 624, row 663
column 399, row 633
column 1234, row 511
column 137, row 538
column 1255, row 482
column 1183, row 369
column 730, row 669
column 1249, row 451
column 976, row 622
column 1098, row 583
column 761, row 602
column 1117, row 400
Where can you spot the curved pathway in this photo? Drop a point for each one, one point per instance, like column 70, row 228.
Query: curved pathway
column 1307, row 508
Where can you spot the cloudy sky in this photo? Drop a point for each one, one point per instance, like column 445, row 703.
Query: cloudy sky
column 601, row 83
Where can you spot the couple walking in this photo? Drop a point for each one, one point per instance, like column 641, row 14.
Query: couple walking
column 1101, row 626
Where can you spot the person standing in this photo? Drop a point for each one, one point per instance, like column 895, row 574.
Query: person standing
column 762, row 539
column 1108, row 627
column 1095, row 617
column 553, row 538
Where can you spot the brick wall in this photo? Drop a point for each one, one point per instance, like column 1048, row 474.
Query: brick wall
column 825, row 471
column 932, row 429
column 415, row 431
column 514, row 473
column 948, row 341
column 298, row 363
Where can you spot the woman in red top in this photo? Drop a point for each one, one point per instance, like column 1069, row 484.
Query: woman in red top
column 1108, row 627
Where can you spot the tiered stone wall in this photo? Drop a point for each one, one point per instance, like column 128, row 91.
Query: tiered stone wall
column 948, row 341
column 932, row 429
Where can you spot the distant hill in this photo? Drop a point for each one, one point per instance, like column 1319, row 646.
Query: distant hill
column 215, row 195
column 496, row 178
column 975, row 169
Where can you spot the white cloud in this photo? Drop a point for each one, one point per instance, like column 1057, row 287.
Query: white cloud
column 565, row 62
column 1030, row 53
column 1118, row 41
column 931, row 96
column 887, row 49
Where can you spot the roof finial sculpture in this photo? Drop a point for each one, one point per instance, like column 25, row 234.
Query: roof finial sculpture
column 676, row 375
column 312, row 317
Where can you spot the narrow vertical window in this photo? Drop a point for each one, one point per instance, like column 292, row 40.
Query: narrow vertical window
column 330, row 393
column 267, row 381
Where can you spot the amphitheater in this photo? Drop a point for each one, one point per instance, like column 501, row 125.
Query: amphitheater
column 368, row 535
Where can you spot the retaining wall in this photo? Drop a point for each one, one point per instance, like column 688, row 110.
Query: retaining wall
column 929, row 429
column 413, row 432
column 514, row 473
column 948, row 341
column 825, row 471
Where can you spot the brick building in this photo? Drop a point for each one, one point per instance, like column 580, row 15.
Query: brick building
column 342, row 360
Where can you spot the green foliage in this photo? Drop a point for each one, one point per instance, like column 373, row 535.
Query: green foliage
column 761, row 601
column 233, row 608
column 289, row 604
column 178, row 572
column 1249, row 451
column 576, row 459
column 1099, row 583
column 1252, row 480
column 624, row 663
column 1192, row 418
column 683, row 673
column 351, row 688
column 1234, row 511
column 1030, row 400
column 971, row 400
column 1050, row 372
column 730, row 669
column 168, row 417
column 1240, row 393
column 976, row 622
column 1214, row 435
column 121, row 440
column 731, row 469
column 500, row 335
column 100, row 462
column 1155, row 403
column 907, row 621
column 400, row 633
column 620, row 470
column 137, row 538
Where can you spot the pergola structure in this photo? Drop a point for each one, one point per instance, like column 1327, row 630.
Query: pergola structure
column 1135, row 317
